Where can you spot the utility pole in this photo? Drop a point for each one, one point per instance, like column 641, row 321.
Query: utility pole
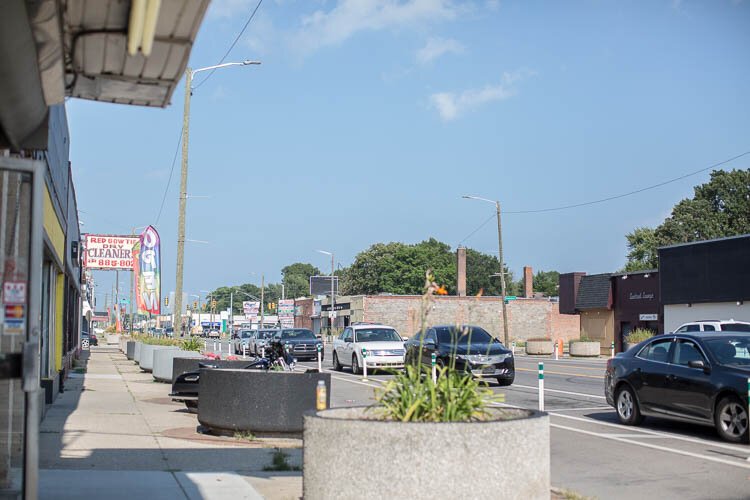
column 502, row 272
column 333, row 299
column 262, row 297
column 189, row 73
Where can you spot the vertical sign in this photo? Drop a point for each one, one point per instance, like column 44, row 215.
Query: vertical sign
column 148, row 272
column 286, row 313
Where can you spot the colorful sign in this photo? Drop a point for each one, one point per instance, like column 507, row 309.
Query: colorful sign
column 286, row 313
column 104, row 251
column 250, row 308
column 14, row 292
column 147, row 268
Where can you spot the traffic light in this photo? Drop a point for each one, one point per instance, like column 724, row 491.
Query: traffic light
column 195, row 304
column 166, row 301
column 213, row 303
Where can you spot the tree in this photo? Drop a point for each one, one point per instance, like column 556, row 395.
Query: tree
column 718, row 208
column 296, row 279
column 547, row 282
column 480, row 268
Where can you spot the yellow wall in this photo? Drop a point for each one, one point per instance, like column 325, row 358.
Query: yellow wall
column 52, row 226
column 599, row 324
column 56, row 236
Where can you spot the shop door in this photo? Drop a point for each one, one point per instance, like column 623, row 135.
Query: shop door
column 20, row 286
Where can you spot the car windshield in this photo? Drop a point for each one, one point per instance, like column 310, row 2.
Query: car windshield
column 735, row 327
column 731, row 351
column 297, row 334
column 265, row 334
column 246, row 334
column 461, row 336
column 377, row 335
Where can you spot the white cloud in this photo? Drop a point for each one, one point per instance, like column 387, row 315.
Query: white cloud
column 493, row 5
column 451, row 105
column 231, row 8
column 437, row 47
column 348, row 17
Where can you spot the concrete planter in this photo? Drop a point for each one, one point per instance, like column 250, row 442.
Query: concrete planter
column 258, row 401
column 137, row 352
column 123, row 343
column 163, row 362
column 147, row 354
column 546, row 347
column 425, row 459
column 186, row 364
column 130, row 349
column 585, row 349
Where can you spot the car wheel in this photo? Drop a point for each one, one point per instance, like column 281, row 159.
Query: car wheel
column 85, row 344
column 505, row 381
column 336, row 365
column 627, row 407
column 355, row 365
column 731, row 420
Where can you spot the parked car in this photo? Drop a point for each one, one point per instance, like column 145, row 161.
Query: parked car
column 302, row 343
column 385, row 348
column 699, row 378
column 260, row 341
column 714, row 325
column 241, row 339
column 88, row 339
column 475, row 351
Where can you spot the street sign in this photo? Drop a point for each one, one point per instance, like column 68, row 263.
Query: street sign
column 510, row 297
column 332, row 314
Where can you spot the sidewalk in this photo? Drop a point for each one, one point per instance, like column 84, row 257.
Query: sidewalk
column 115, row 434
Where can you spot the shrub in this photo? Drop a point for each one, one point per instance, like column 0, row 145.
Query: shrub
column 639, row 335
column 192, row 344
column 583, row 339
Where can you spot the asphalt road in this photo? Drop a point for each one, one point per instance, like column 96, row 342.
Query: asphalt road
column 592, row 453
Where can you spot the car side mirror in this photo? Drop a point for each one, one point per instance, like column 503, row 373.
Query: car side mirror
column 318, row 337
column 700, row 365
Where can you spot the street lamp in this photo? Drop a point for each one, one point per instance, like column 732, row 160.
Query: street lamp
column 500, row 254
column 183, row 182
column 332, row 314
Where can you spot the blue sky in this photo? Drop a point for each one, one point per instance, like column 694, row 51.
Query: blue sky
column 368, row 120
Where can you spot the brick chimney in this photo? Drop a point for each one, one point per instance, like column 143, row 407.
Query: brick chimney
column 461, row 271
column 528, row 282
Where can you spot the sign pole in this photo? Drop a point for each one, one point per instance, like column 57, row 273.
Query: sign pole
column 541, row 386
column 364, row 363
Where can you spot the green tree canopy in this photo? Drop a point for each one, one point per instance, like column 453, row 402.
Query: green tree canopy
column 718, row 209
column 547, row 282
column 296, row 279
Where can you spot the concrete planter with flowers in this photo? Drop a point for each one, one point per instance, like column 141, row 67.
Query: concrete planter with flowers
column 147, row 354
column 427, row 459
column 164, row 362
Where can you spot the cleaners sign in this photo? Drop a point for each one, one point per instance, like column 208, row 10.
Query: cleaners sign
column 147, row 268
column 109, row 252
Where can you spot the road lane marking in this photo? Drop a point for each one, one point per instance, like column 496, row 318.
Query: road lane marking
column 557, row 390
column 678, row 437
column 584, row 409
column 615, row 437
column 561, row 373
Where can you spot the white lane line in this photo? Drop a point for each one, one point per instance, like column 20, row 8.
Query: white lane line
column 360, row 382
column 705, row 442
column 557, row 390
column 614, row 437
column 583, row 409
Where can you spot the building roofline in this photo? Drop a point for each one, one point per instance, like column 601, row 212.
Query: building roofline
column 646, row 271
column 739, row 236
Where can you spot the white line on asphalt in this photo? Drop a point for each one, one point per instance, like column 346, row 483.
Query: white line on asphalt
column 678, row 437
column 356, row 382
column 583, row 409
column 614, row 437
column 557, row 390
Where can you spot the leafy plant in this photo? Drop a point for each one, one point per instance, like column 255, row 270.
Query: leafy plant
column 583, row 339
column 539, row 339
column 279, row 462
column 244, row 436
column 191, row 344
column 639, row 335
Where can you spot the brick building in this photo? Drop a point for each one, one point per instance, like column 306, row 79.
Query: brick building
column 527, row 317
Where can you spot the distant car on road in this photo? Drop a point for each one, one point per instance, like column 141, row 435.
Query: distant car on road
column 261, row 340
column 213, row 334
column 714, row 325
column 242, row 338
column 302, row 343
column 475, row 351
column 698, row 377
column 385, row 348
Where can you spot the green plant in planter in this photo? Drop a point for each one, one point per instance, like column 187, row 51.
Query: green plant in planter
column 191, row 344
column 639, row 335
column 582, row 339
column 413, row 396
column 158, row 341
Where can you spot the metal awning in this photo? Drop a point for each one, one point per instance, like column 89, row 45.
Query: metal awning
column 52, row 49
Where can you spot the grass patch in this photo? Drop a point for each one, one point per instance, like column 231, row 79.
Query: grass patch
column 279, row 462
column 244, row 436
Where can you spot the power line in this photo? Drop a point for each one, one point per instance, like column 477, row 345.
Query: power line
column 610, row 198
column 654, row 186
column 236, row 39
column 169, row 181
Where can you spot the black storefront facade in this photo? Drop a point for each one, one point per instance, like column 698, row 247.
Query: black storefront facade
column 611, row 305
